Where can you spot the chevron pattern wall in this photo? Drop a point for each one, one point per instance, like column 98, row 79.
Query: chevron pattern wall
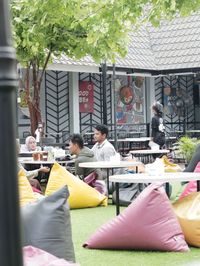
column 180, row 87
column 57, row 104
column 89, row 120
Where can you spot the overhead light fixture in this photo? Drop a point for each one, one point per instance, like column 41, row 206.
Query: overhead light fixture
column 136, row 74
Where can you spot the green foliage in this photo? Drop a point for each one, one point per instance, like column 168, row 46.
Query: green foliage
column 187, row 146
column 85, row 27
column 77, row 28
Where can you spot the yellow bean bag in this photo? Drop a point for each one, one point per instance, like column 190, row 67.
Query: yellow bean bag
column 188, row 213
column 81, row 195
column 170, row 167
column 26, row 194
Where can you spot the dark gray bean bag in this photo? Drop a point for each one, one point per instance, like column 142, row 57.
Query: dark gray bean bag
column 46, row 225
column 128, row 192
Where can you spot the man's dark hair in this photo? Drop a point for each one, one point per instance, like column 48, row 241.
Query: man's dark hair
column 103, row 129
column 77, row 139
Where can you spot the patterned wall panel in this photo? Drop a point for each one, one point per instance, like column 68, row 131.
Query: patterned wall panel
column 57, row 104
column 110, row 100
column 89, row 120
column 176, row 93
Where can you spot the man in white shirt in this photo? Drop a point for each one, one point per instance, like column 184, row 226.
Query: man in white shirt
column 103, row 149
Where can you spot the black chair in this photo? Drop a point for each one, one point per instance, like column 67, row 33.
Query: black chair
column 26, row 134
column 65, row 136
column 47, row 141
column 25, row 154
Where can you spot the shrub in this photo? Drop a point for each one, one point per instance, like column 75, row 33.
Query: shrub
column 187, row 146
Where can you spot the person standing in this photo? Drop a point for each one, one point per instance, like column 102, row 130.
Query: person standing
column 102, row 149
column 157, row 125
column 39, row 133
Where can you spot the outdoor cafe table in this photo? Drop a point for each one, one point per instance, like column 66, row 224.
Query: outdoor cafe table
column 193, row 132
column 136, row 141
column 110, row 165
column 142, row 139
column 29, row 160
column 148, row 153
column 146, row 178
column 136, row 133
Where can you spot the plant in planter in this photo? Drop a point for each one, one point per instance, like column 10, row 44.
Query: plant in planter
column 187, row 147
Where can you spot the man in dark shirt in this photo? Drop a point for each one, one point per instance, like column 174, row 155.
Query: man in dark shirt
column 83, row 155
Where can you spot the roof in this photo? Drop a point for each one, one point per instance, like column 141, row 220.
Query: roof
column 176, row 44
column 173, row 47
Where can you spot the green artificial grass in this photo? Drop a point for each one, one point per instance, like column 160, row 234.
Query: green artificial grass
column 86, row 221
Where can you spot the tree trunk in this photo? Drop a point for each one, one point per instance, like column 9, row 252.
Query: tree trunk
column 34, row 101
column 36, row 116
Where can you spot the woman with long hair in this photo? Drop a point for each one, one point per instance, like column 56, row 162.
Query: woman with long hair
column 157, row 125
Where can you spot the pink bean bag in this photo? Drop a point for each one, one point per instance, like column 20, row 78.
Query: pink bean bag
column 149, row 223
column 192, row 185
column 34, row 256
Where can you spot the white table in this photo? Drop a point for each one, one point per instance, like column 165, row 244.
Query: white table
column 88, row 133
column 194, row 132
column 142, row 139
column 137, row 133
column 147, row 153
column 28, row 160
column 130, row 141
column 161, row 151
column 146, row 178
column 109, row 165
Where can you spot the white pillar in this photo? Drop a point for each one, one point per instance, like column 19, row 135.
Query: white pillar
column 74, row 103
column 150, row 97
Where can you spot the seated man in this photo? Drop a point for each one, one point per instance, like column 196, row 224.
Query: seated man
column 103, row 149
column 83, row 154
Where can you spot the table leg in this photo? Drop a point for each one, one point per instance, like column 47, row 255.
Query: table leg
column 117, row 198
column 107, row 180
column 167, row 189
column 112, row 182
column 198, row 185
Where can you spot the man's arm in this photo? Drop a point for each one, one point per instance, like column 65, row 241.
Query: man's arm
column 78, row 170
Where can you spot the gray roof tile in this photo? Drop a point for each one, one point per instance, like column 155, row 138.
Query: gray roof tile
column 173, row 45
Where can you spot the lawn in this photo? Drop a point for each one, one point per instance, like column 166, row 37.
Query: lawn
column 86, row 221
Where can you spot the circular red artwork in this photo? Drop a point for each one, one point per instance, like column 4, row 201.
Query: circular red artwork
column 126, row 95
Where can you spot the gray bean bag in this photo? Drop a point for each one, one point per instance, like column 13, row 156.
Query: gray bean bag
column 128, row 192
column 46, row 225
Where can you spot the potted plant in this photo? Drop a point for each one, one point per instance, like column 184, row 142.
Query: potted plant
column 187, row 147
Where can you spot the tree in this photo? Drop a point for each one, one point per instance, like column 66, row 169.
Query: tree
column 99, row 28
